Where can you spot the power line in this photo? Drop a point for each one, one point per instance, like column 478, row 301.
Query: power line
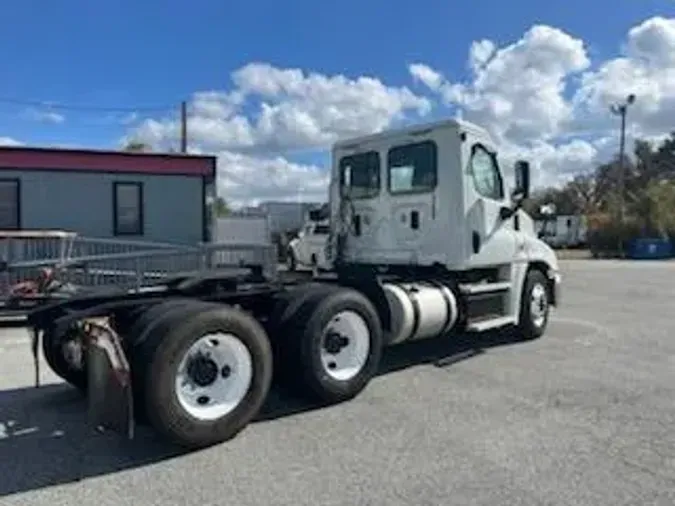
column 72, row 107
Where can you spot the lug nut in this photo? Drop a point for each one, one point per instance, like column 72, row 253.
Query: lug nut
column 226, row 371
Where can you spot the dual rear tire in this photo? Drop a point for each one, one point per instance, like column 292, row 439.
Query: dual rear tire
column 202, row 371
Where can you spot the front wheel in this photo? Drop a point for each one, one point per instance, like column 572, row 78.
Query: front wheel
column 534, row 306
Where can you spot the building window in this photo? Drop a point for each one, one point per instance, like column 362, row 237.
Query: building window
column 128, row 208
column 10, row 204
column 413, row 168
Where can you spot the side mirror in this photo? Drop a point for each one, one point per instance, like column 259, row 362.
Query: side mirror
column 522, row 189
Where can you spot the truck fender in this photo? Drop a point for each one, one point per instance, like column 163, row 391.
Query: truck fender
column 373, row 290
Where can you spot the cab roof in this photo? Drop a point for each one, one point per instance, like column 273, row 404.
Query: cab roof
column 451, row 123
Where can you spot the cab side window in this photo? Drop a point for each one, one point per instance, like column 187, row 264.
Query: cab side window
column 412, row 168
column 487, row 179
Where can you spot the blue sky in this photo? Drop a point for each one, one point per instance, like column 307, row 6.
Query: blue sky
column 155, row 53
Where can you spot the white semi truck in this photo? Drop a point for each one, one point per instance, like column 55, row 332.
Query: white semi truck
column 426, row 242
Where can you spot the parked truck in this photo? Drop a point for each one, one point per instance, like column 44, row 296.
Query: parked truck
column 308, row 249
column 425, row 241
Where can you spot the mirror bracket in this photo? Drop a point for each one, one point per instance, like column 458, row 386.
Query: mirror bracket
column 506, row 212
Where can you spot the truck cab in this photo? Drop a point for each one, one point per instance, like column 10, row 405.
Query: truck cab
column 434, row 198
column 432, row 194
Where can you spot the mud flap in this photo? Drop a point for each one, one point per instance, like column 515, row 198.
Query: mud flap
column 109, row 388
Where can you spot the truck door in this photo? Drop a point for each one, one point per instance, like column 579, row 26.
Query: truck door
column 491, row 239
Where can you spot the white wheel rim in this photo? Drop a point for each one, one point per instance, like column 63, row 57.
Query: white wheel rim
column 345, row 345
column 209, row 396
column 538, row 304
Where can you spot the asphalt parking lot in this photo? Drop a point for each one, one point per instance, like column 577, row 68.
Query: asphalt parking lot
column 584, row 415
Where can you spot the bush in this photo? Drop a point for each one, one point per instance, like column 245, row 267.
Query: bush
column 608, row 238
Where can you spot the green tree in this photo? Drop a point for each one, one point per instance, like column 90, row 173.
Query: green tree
column 220, row 207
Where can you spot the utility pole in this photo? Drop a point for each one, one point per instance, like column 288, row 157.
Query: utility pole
column 183, row 127
column 621, row 110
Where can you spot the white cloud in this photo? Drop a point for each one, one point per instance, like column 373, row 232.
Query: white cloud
column 248, row 180
column 541, row 96
column 9, row 141
column 516, row 91
column 45, row 116
column 646, row 69
column 293, row 110
column 270, row 112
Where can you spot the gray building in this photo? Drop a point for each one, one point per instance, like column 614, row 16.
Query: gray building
column 107, row 194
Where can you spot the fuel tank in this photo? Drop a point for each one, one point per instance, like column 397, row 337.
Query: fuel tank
column 420, row 310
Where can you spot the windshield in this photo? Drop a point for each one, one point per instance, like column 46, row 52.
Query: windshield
column 360, row 174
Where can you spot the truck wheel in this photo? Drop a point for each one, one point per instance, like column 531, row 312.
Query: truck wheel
column 208, row 375
column 123, row 320
column 61, row 352
column 142, row 339
column 534, row 306
column 151, row 317
column 339, row 345
column 282, row 323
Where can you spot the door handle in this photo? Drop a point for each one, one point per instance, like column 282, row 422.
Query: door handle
column 414, row 220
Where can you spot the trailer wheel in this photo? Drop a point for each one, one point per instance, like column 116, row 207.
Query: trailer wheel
column 208, row 375
column 339, row 344
column 534, row 306
column 65, row 356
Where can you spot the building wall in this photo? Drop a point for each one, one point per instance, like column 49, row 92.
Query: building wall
column 285, row 216
column 83, row 203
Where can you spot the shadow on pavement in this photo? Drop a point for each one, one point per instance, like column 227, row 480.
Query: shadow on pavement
column 45, row 439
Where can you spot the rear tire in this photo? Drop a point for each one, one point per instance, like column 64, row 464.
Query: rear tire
column 335, row 345
column 281, row 327
column 144, row 335
column 534, row 306
column 53, row 349
column 196, row 416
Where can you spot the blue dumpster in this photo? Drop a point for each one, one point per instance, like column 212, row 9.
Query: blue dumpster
column 650, row 249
